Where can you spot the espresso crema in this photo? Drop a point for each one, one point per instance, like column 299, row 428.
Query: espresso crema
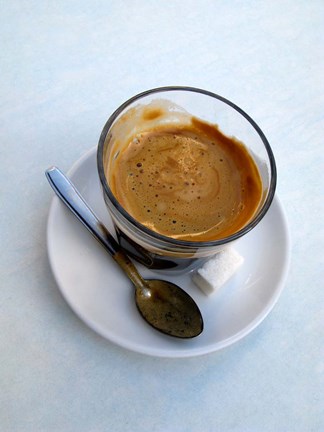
column 189, row 182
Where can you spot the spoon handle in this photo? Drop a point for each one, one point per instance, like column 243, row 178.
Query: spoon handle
column 71, row 197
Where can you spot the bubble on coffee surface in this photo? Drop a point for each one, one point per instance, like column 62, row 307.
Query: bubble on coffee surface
column 181, row 183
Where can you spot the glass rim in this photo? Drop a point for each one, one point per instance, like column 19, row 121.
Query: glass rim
column 164, row 238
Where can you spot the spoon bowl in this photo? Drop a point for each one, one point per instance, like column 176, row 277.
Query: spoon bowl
column 164, row 305
column 169, row 309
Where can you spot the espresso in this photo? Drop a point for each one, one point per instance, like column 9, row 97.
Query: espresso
column 189, row 182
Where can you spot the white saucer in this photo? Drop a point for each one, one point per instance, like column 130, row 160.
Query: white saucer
column 100, row 294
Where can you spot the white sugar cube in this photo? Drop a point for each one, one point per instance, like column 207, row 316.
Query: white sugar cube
column 218, row 270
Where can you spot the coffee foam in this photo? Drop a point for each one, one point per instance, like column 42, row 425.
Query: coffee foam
column 185, row 180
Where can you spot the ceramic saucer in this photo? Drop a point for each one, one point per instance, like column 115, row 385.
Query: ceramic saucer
column 101, row 295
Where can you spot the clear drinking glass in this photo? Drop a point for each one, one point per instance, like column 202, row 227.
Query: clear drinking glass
column 151, row 248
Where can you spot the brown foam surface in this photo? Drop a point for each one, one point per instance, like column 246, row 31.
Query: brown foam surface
column 188, row 182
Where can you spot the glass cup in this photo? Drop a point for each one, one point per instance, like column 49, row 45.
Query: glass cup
column 150, row 248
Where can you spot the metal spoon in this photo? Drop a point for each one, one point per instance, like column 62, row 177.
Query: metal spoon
column 164, row 305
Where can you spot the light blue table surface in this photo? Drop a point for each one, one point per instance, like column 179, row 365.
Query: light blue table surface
column 65, row 66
